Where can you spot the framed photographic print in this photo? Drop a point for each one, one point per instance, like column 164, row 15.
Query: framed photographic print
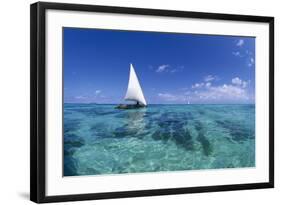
column 129, row 102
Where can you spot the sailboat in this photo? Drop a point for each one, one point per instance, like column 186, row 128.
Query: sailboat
column 134, row 92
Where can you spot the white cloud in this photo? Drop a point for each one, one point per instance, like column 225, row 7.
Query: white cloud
column 80, row 97
column 237, row 81
column 240, row 42
column 197, row 85
column 223, row 92
column 177, row 69
column 237, row 53
column 169, row 69
column 247, row 55
column 251, row 62
column 98, row 92
column 210, row 78
column 249, row 52
column 235, row 91
column 162, row 68
column 208, row 84
column 179, row 98
column 244, row 84
column 168, row 96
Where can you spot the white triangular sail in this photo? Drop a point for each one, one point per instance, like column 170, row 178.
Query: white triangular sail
column 134, row 91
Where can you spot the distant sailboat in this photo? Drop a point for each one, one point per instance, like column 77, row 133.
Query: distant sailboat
column 187, row 101
column 134, row 92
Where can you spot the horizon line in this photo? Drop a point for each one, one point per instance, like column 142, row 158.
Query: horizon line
column 164, row 103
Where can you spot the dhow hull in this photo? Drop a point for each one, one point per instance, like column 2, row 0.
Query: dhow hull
column 126, row 107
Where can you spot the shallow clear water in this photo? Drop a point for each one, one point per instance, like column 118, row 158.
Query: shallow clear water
column 99, row 139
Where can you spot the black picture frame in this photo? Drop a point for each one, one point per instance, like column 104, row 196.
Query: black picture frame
column 38, row 103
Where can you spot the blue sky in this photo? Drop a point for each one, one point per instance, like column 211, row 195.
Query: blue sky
column 172, row 68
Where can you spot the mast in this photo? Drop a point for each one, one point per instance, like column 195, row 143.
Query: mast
column 134, row 91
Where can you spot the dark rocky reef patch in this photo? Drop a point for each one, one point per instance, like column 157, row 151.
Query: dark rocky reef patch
column 71, row 143
column 69, row 166
column 71, row 125
column 238, row 131
column 205, row 143
column 171, row 128
column 100, row 130
column 124, row 131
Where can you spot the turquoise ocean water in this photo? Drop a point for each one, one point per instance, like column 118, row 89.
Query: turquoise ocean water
column 99, row 139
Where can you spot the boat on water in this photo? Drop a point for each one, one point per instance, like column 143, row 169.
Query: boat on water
column 134, row 92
